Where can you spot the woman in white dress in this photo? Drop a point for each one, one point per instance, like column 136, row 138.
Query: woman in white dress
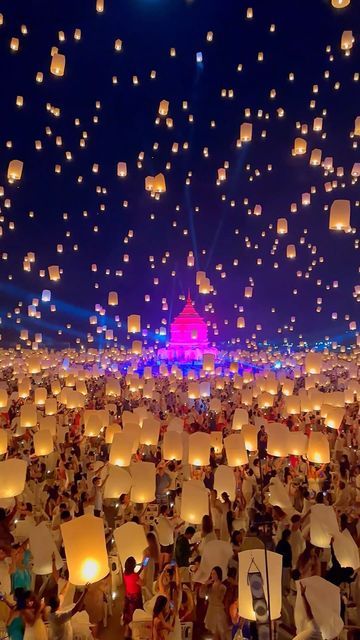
column 226, row 517
column 34, row 625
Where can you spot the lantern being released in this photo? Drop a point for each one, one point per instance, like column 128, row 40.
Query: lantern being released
column 130, row 541
column 12, row 477
column 85, row 549
column 194, row 502
column 253, row 599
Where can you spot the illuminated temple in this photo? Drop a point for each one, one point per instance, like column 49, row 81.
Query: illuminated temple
column 188, row 336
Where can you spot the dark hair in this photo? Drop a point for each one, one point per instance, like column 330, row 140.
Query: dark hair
column 53, row 602
column 231, row 572
column 159, row 606
column 190, row 530
column 130, row 564
column 207, row 525
column 163, row 509
column 218, row 571
column 286, row 534
column 64, row 515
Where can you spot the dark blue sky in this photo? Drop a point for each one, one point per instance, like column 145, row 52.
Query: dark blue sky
column 126, row 126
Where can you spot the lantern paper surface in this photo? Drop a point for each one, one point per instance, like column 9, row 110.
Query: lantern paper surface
column 85, row 549
column 12, row 477
column 130, row 541
column 216, row 553
column 199, row 449
column 118, row 482
column 172, row 446
column 194, row 502
column 254, row 560
column 323, row 525
column 224, row 481
column 143, row 482
column 324, row 601
column 42, row 547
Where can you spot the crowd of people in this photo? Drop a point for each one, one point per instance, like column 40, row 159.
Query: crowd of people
column 162, row 597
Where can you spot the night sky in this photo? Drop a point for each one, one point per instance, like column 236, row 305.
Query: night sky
column 212, row 220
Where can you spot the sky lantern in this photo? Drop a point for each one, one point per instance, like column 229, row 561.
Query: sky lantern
column 224, row 481
column 113, row 300
column 199, row 449
column 340, row 4
column 121, row 169
column 340, row 215
column 194, row 502
column 130, row 540
column 281, row 226
column 347, row 40
column 28, row 416
column 172, row 445
column 57, row 66
column 246, row 132
column 85, row 549
column 121, row 450
column 250, row 431
column 134, row 324
column 143, row 482
column 118, row 482
column 163, row 108
column 15, row 170
column 12, row 477
column 43, row 443
column 300, row 146
column 3, row 442
column 235, row 450
column 318, row 448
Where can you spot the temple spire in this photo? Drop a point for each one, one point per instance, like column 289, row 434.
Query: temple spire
column 188, row 300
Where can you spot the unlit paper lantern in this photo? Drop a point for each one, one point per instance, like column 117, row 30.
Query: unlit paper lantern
column 43, row 547
column 323, row 525
column 254, row 561
column 130, row 541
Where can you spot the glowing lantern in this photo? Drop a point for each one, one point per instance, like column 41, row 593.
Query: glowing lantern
column 300, row 146
column 133, row 323
column 40, row 396
column 254, row 561
column 24, row 388
column 143, row 482
column 346, row 550
column 15, row 170
column 248, row 292
column 340, row 4
column 334, row 417
column 291, row 251
column 136, row 347
column 34, row 365
column 57, row 66
column 199, row 449
column 347, row 40
column 85, row 549
column 224, row 481
column 339, row 219
column 43, row 443
column 48, row 424
column 315, row 157
column 111, row 430
column 288, row 387
column 292, row 405
column 121, row 450
column 323, row 525
column 43, row 548
column 28, row 416
column 54, row 273
column 265, row 400
column 297, row 443
column 278, row 440
column 313, row 362
column 3, row 399
column 150, row 431
column 240, row 323
column 113, row 299
column 194, row 502
column 159, row 183
column 12, row 477
column 163, row 108
column 246, row 132
column 112, row 387
column 208, row 362
column 281, row 226
column 118, row 482
column 130, row 541
column 3, row 442
column 194, row 390
column 172, row 445
column 216, row 441
column 121, row 169
column 235, row 450
column 318, row 448
column 240, row 418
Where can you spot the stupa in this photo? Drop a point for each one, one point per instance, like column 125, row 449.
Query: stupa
column 188, row 336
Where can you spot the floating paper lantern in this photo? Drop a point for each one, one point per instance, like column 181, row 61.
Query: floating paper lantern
column 85, row 549
column 121, row 450
column 292, row 405
column 172, row 445
column 54, row 273
column 28, row 416
column 111, row 430
column 334, row 417
column 246, row 132
column 265, row 400
column 250, row 431
column 340, row 4
column 300, row 146
column 3, row 442
column 278, row 440
column 113, row 299
column 12, row 477
column 133, row 323
column 118, row 482
column 318, row 448
column 143, row 482
column 112, row 387
column 291, row 251
column 150, row 431
column 347, row 40
column 57, row 66
column 224, row 481
column 297, row 443
column 208, row 362
column 15, row 170
column 199, row 449
column 323, row 525
column 40, row 396
column 313, row 362
column 130, row 540
column 163, row 108
column 254, row 561
column 43, row 548
column 121, row 169
column 235, row 450
column 43, row 443
column 240, row 418
column 240, row 322
column 4, row 399
column 24, row 388
column 281, row 226
column 48, row 423
column 194, row 501
column 339, row 219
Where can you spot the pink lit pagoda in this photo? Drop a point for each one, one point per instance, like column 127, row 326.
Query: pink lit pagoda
column 188, row 336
